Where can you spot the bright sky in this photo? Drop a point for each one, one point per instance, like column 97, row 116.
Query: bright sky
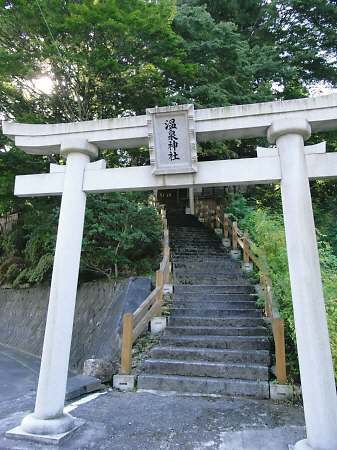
column 44, row 84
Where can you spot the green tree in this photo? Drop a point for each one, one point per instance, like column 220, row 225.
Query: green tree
column 106, row 58
column 122, row 236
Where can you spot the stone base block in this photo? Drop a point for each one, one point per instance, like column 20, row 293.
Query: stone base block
column 281, row 391
column 55, row 439
column 226, row 242
column 235, row 254
column 168, row 289
column 218, row 231
column 258, row 289
column 124, row 382
column 158, row 324
column 247, row 267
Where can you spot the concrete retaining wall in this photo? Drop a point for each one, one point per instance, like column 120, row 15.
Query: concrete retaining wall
column 100, row 306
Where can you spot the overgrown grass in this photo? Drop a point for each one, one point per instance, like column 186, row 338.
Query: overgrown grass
column 267, row 232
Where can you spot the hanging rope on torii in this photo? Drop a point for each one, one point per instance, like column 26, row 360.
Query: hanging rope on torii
column 171, row 134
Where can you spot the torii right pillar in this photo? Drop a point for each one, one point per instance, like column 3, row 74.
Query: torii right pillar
column 313, row 347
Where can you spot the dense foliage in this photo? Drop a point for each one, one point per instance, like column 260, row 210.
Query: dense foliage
column 266, row 230
column 122, row 236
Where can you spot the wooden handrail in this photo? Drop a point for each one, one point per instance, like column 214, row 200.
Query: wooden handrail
column 134, row 324
column 241, row 239
column 146, row 305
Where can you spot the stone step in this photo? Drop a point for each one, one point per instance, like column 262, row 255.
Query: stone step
column 206, row 369
column 204, row 260
column 219, row 312
column 198, row 252
column 215, row 331
column 235, row 304
column 219, row 289
column 205, row 269
column 216, row 321
column 205, row 297
column 207, row 246
column 212, row 355
column 207, row 281
column 211, row 248
column 200, row 265
column 218, row 249
column 194, row 237
column 204, row 385
column 226, row 275
column 224, row 342
column 196, row 241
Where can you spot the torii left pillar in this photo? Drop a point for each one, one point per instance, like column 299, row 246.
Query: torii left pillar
column 48, row 417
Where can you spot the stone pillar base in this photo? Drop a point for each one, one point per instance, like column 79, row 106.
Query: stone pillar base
column 124, row 382
column 235, row 254
column 158, row 324
column 226, row 242
column 56, row 439
column 247, row 267
column 304, row 445
column 168, row 289
column 281, row 391
column 218, row 231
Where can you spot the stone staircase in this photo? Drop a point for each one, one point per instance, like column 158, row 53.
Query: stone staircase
column 216, row 342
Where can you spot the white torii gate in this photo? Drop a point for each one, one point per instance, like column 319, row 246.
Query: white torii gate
column 288, row 124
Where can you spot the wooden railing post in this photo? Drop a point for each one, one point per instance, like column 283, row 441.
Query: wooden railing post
column 160, row 284
column 127, row 341
column 225, row 226
column 246, row 248
column 263, row 284
column 235, row 236
column 280, row 355
column 217, row 217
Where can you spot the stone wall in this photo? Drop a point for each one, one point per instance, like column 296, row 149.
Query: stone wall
column 100, row 306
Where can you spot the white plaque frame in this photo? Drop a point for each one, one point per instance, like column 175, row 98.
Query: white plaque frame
column 185, row 113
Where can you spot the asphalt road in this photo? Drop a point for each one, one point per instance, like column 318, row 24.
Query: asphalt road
column 145, row 421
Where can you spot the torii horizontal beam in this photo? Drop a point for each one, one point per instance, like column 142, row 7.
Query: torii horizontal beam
column 210, row 173
column 230, row 122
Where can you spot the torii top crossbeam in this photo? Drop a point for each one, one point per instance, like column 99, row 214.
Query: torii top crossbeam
column 231, row 122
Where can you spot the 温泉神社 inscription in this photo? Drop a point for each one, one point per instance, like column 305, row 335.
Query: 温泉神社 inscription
column 172, row 139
